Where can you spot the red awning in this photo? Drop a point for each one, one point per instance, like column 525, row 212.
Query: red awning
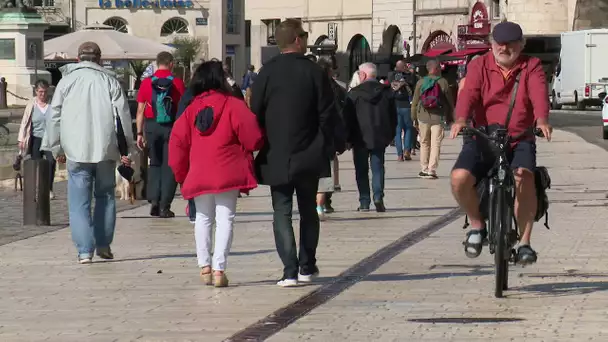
column 468, row 52
column 436, row 52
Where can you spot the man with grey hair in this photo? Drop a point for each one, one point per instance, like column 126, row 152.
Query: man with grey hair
column 432, row 108
column 371, row 120
column 87, row 106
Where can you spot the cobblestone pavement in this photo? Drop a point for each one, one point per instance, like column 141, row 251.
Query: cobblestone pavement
column 152, row 292
column 432, row 292
column 11, row 214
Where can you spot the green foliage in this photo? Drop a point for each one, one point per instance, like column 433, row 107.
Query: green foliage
column 186, row 49
column 137, row 70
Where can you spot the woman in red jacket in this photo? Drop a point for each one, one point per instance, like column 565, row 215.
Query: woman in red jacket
column 210, row 152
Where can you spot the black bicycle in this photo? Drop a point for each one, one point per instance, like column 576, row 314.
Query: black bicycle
column 500, row 187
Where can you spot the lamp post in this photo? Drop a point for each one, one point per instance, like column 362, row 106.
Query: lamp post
column 33, row 47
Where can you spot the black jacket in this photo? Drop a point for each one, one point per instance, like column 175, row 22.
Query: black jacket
column 370, row 115
column 294, row 103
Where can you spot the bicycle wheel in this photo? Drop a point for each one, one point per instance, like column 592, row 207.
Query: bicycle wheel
column 502, row 228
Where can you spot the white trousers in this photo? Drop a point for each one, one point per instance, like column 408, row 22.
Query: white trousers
column 221, row 209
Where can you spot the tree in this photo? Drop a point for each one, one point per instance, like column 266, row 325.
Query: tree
column 137, row 70
column 186, row 50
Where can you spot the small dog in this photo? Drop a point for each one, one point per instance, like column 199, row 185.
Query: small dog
column 130, row 190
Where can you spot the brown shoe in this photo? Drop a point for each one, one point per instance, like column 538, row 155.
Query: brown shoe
column 407, row 156
column 220, row 279
column 206, row 275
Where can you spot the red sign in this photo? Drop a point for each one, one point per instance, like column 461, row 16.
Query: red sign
column 441, row 41
column 479, row 22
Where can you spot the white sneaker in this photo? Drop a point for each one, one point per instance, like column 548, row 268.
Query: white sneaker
column 84, row 261
column 288, row 283
column 309, row 278
column 51, row 195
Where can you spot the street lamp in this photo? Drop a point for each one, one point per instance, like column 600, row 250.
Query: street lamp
column 33, row 47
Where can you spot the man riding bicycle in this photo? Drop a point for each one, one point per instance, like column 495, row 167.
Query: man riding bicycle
column 486, row 99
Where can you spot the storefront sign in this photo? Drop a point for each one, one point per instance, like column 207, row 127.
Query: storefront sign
column 201, row 21
column 440, row 41
column 165, row 4
column 479, row 23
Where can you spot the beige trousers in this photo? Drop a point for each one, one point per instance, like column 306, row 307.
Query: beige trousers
column 431, row 136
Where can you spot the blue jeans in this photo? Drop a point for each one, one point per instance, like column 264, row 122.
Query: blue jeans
column 84, row 181
column 363, row 159
column 404, row 124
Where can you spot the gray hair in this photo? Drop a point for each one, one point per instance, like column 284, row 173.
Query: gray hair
column 369, row 69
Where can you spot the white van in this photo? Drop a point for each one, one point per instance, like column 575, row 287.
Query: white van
column 582, row 72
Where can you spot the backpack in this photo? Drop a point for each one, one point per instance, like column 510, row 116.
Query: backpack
column 431, row 98
column 162, row 103
column 542, row 181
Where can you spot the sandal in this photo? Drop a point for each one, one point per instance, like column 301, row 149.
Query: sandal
column 206, row 275
column 473, row 250
column 526, row 255
column 220, row 280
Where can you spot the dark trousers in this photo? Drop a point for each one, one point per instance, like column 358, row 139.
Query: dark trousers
column 191, row 210
column 36, row 154
column 161, row 181
column 363, row 159
column 284, row 237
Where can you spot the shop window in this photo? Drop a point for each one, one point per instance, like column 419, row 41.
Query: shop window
column 119, row 24
column 174, row 26
column 495, row 9
column 271, row 26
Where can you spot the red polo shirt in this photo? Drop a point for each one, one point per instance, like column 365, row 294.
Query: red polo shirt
column 145, row 91
column 487, row 92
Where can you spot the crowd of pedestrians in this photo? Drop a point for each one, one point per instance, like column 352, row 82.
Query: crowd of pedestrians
column 203, row 138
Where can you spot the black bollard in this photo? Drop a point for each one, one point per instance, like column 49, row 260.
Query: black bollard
column 36, row 193
column 3, row 91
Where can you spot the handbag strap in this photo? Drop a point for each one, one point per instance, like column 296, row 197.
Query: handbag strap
column 512, row 103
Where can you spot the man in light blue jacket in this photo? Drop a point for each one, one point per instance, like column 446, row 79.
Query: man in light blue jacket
column 81, row 130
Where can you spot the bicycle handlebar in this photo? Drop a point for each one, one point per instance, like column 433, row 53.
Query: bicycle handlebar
column 476, row 132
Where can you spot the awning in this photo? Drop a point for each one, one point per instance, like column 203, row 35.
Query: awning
column 468, row 52
column 436, row 52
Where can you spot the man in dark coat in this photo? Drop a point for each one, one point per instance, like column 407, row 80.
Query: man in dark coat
column 371, row 120
column 293, row 100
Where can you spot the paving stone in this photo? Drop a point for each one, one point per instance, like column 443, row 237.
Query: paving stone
column 562, row 298
column 48, row 296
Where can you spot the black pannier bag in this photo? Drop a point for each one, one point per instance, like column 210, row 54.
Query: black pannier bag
column 543, row 182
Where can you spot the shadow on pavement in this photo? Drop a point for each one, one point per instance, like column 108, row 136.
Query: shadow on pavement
column 424, row 276
column 465, row 320
column 563, row 289
column 419, row 209
column 189, row 255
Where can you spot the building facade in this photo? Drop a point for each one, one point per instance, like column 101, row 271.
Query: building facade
column 219, row 24
column 342, row 25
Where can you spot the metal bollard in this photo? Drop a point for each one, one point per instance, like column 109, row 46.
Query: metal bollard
column 36, row 193
column 3, row 91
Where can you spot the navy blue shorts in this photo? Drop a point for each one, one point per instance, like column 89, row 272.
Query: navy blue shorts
column 479, row 161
